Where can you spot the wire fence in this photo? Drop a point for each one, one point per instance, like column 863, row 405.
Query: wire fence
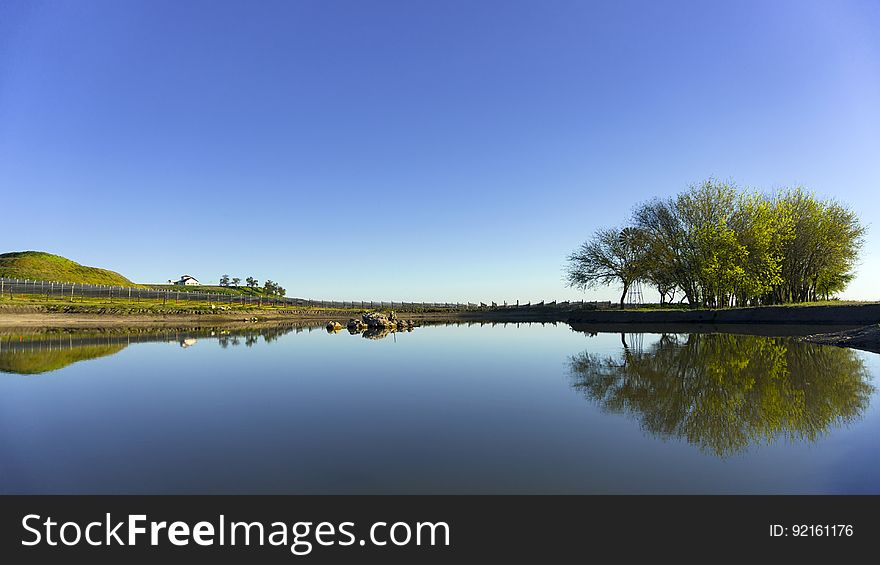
column 79, row 292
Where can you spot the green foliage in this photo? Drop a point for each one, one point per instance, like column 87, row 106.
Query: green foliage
column 271, row 288
column 723, row 247
column 822, row 251
column 37, row 265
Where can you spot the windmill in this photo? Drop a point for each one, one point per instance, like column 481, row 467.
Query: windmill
column 630, row 241
column 634, row 295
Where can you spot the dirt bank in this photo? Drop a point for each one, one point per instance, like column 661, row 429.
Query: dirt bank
column 843, row 315
column 767, row 330
column 866, row 338
column 35, row 316
column 846, row 314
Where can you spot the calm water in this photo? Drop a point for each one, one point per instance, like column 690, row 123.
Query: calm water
column 443, row 409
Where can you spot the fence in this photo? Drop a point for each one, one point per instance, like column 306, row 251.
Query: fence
column 9, row 288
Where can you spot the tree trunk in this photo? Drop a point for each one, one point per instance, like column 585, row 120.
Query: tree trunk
column 623, row 295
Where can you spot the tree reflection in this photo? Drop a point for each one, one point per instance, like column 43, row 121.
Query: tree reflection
column 723, row 392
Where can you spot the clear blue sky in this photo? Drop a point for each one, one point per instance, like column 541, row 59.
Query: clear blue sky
column 444, row 150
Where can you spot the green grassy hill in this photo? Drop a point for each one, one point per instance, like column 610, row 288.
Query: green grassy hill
column 36, row 265
column 215, row 289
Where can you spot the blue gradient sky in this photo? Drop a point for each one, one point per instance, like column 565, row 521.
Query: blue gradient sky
column 405, row 150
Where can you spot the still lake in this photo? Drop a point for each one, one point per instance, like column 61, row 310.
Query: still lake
column 525, row 408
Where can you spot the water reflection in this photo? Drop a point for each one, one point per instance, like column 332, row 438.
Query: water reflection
column 33, row 361
column 725, row 392
column 50, row 350
column 377, row 333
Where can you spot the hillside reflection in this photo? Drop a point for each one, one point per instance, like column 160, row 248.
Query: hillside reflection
column 724, row 392
column 43, row 352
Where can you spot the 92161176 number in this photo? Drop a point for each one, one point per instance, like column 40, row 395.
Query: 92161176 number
column 822, row 530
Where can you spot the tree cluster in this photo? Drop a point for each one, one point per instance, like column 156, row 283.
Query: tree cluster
column 270, row 288
column 719, row 246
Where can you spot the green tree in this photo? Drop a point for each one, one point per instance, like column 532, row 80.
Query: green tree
column 671, row 256
column 716, row 255
column 251, row 282
column 236, row 281
column 724, row 247
column 820, row 256
column 269, row 287
column 224, row 280
column 761, row 230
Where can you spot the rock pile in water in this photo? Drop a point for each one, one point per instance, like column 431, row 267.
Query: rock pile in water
column 374, row 322
column 391, row 321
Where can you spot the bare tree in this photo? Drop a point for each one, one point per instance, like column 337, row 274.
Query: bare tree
column 613, row 256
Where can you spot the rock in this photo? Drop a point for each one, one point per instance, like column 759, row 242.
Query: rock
column 377, row 320
column 333, row 327
column 354, row 325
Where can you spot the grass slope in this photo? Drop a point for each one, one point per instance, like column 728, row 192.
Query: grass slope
column 40, row 266
column 214, row 289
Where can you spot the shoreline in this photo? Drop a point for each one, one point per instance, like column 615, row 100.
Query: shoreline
column 34, row 315
column 844, row 314
column 852, row 326
column 866, row 338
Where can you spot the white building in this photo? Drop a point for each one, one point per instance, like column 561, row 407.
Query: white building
column 186, row 280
